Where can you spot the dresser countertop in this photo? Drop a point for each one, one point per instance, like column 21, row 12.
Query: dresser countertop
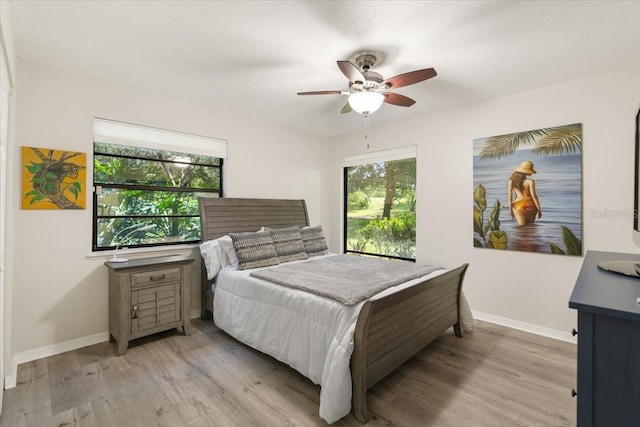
column 606, row 293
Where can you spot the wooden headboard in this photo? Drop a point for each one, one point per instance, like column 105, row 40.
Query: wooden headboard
column 220, row 216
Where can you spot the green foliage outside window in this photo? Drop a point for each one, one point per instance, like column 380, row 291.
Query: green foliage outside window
column 395, row 236
column 137, row 187
column 358, row 200
column 381, row 209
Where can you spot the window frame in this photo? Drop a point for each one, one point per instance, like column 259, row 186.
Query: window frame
column 115, row 133
column 394, row 154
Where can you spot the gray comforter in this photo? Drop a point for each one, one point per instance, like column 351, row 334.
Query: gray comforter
column 348, row 279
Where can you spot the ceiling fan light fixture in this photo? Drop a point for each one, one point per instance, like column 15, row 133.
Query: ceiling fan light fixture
column 366, row 102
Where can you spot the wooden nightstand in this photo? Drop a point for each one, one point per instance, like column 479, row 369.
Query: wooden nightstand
column 147, row 296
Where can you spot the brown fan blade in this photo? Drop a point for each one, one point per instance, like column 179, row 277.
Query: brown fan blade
column 351, row 71
column 347, row 108
column 397, row 99
column 410, row 78
column 322, row 92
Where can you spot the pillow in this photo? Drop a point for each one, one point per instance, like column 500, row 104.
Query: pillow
column 254, row 249
column 314, row 241
column 211, row 257
column 227, row 246
column 288, row 243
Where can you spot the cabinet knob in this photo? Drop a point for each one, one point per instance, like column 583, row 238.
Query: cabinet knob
column 573, row 392
column 134, row 311
column 574, row 332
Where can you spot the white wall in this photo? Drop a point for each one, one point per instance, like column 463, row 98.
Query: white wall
column 528, row 288
column 60, row 294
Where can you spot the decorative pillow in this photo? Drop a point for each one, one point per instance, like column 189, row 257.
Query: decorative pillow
column 288, row 243
column 254, row 249
column 212, row 255
column 227, row 246
column 314, row 241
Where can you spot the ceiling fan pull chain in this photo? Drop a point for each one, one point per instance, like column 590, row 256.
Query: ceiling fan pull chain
column 366, row 125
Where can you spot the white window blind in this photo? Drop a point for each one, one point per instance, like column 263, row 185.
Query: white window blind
column 400, row 153
column 147, row 137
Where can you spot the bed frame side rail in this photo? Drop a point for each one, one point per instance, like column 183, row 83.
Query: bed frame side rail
column 391, row 330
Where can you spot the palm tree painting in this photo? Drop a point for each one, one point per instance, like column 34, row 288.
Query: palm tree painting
column 527, row 191
column 53, row 179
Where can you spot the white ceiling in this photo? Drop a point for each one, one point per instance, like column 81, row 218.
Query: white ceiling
column 252, row 57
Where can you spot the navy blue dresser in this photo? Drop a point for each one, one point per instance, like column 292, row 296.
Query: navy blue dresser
column 608, row 343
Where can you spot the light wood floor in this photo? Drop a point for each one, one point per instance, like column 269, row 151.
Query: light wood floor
column 493, row 377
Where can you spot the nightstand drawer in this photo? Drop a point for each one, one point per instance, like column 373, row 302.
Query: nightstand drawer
column 155, row 277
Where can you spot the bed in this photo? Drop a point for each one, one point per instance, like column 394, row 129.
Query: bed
column 375, row 336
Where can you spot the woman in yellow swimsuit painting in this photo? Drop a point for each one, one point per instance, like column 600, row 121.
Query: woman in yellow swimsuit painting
column 526, row 206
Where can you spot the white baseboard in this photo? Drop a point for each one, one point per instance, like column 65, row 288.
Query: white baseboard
column 526, row 327
column 52, row 350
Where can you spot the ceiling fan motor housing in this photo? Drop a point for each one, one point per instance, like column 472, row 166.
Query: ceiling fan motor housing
column 372, row 77
column 365, row 62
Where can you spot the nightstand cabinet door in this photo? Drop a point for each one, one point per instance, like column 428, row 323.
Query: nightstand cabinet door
column 155, row 306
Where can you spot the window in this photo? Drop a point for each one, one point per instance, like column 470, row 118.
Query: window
column 380, row 203
column 147, row 183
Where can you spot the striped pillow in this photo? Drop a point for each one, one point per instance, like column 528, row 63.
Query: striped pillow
column 288, row 243
column 254, row 249
column 314, row 241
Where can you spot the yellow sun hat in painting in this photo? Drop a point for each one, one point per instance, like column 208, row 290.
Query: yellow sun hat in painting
column 525, row 167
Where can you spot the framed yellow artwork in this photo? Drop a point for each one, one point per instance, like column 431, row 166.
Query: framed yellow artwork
column 53, row 179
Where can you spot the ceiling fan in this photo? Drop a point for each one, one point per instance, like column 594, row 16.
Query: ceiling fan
column 368, row 90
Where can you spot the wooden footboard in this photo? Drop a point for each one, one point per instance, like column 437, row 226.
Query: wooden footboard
column 391, row 330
